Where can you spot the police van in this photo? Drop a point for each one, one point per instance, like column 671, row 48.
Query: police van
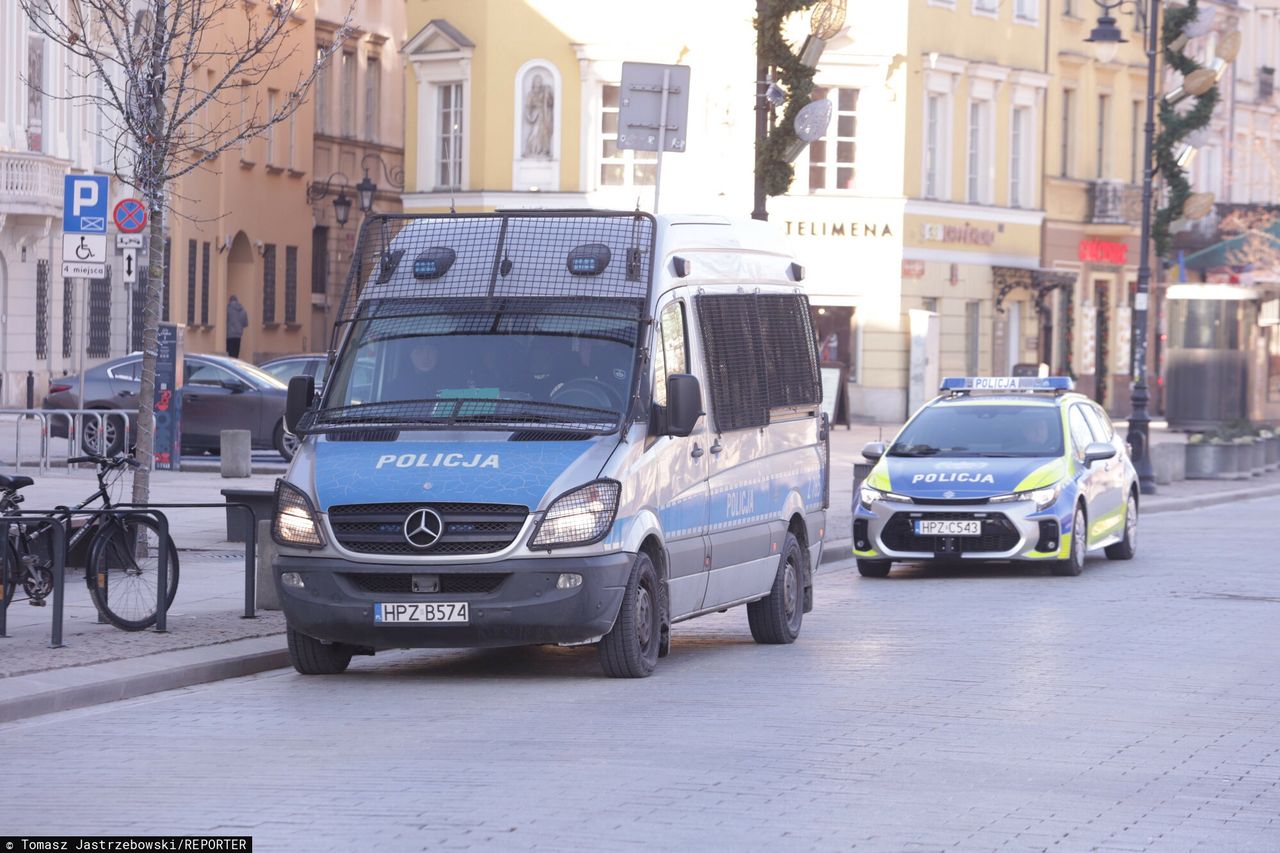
column 560, row 427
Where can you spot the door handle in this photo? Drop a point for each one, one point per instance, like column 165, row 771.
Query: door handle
column 716, row 448
column 123, row 393
column 697, row 451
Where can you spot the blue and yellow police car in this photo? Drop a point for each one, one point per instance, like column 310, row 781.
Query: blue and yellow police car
column 994, row 469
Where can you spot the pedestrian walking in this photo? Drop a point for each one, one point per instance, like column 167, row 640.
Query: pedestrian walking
column 237, row 319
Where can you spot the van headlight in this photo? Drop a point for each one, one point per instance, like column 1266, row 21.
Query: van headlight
column 578, row 517
column 294, row 521
column 1042, row 498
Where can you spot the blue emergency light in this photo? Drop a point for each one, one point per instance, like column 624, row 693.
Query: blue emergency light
column 1007, row 383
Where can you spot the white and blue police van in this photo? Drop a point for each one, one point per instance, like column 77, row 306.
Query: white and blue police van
column 554, row 427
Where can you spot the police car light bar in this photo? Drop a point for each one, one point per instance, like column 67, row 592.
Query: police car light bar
column 1054, row 384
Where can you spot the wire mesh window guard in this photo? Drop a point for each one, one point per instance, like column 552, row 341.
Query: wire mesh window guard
column 269, row 284
column 99, row 343
column 68, row 302
column 291, row 284
column 750, row 336
column 42, row 309
column 191, row 282
column 204, row 284
column 137, row 316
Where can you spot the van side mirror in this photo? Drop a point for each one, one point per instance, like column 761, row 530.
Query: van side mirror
column 684, row 404
column 1097, row 451
column 873, row 451
column 302, row 392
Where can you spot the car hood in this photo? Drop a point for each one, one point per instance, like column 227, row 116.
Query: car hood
column 467, row 471
column 951, row 478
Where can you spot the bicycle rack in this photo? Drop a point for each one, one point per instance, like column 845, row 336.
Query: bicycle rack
column 250, row 545
column 55, row 518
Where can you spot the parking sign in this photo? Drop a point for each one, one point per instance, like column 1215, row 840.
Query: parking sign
column 84, row 204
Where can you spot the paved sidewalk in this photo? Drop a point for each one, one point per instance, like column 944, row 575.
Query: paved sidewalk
column 207, row 639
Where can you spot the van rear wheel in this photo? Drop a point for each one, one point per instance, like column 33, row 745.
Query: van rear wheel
column 776, row 619
column 630, row 649
column 309, row 656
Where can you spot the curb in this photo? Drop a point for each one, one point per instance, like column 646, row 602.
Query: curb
column 1212, row 499
column 41, row 693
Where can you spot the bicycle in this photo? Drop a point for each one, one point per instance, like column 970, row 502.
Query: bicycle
column 123, row 550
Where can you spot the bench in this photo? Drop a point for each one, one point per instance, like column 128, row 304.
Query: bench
column 261, row 501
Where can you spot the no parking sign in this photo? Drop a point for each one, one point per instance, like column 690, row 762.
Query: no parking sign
column 130, row 216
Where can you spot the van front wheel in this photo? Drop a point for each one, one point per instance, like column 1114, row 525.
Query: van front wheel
column 630, row 650
column 309, row 656
column 775, row 619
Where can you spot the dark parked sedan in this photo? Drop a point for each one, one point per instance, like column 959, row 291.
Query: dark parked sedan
column 304, row 364
column 218, row 393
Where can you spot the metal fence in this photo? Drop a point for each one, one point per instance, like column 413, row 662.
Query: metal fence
column 73, row 422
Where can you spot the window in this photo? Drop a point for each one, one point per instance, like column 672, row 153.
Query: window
column 35, row 89
column 293, row 140
column 372, row 96
column 291, row 284
column 1080, row 434
column 1104, row 117
column 972, row 330
column 191, row 282
column 269, row 284
column 977, row 155
column 933, row 146
column 449, row 143
column 320, row 260
column 103, row 144
column 1099, row 423
column 204, row 373
column 1017, row 156
column 671, row 350
column 273, row 101
column 1136, row 142
column 99, row 343
column 42, row 309
column 831, row 159
column 989, row 6
column 1026, row 10
column 347, row 80
column 138, row 315
column 1067, row 104
column 618, row 167
column 322, row 91
column 204, row 284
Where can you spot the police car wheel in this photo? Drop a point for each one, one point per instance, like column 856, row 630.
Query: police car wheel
column 776, row 619
column 309, row 656
column 874, row 568
column 1074, row 564
column 630, row 649
column 1128, row 546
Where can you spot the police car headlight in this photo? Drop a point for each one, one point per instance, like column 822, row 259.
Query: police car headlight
column 868, row 496
column 294, row 522
column 1042, row 498
column 578, row 517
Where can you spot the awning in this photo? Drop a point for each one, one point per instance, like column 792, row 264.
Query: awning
column 1228, row 252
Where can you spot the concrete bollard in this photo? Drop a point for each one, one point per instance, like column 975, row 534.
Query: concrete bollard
column 237, row 453
column 1170, row 462
column 268, row 596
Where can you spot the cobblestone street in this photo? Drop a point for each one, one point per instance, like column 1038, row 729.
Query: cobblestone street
column 1135, row 707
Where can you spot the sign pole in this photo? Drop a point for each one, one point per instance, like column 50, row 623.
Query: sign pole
column 662, row 137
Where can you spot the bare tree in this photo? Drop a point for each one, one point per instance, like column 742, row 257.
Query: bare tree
column 166, row 120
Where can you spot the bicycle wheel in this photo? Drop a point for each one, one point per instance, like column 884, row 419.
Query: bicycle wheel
column 123, row 568
column 9, row 572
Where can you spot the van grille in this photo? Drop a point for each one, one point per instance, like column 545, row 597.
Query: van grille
column 468, row 528
column 456, row 583
column 998, row 533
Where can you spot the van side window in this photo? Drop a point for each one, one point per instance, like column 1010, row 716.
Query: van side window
column 760, row 355
column 672, row 351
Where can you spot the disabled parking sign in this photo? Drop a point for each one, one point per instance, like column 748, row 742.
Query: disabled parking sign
column 84, row 204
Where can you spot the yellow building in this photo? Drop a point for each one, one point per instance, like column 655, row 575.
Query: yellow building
column 920, row 218
column 243, row 224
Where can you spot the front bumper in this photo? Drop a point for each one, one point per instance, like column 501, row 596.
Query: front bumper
column 1010, row 531
column 524, row 608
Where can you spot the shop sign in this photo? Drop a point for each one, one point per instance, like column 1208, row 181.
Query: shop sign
column 809, row 228
column 1102, row 252
column 935, row 232
column 913, row 269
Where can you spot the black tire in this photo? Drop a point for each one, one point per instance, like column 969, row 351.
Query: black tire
column 309, row 656
column 1128, row 546
column 874, row 568
column 8, row 573
column 630, row 649
column 122, row 572
column 114, row 427
column 286, row 444
column 776, row 618
column 1074, row 564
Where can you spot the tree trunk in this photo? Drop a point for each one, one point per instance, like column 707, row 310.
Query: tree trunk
column 154, row 200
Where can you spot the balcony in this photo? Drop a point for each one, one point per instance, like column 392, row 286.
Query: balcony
column 31, row 184
column 1114, row 203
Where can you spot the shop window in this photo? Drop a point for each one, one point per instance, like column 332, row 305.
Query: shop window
column 621, row 167
column 832, row 159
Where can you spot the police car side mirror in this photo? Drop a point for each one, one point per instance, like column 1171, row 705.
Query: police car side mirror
column 684, row 404
column 873, row 451
column 302, row 391
column 1097, row 451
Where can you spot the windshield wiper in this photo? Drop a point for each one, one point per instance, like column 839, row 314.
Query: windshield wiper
column 913, row 450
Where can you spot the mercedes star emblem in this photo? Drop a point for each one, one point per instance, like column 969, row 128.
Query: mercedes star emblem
column 422, row 527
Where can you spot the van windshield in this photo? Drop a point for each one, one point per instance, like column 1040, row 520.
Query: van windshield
column 971, row 429
column 563, row 362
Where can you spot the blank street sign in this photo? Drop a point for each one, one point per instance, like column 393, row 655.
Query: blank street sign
column 640, row 108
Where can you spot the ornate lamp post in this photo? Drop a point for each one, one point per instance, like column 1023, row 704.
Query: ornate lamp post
column 341, row 204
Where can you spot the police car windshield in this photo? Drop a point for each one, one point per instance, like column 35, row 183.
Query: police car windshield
column 535, row 357
column 976, row 429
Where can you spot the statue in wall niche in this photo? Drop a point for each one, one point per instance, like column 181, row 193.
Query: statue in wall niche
column 539, row 118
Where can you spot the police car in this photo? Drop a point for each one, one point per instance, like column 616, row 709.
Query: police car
column 999, row 468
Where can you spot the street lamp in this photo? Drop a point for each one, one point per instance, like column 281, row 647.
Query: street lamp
column 1107, row 38
column 342, row 207
column 341, row 204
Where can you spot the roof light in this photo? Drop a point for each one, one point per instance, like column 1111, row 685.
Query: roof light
column 1007, row 383
column 588, row 259
column 434, row 262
